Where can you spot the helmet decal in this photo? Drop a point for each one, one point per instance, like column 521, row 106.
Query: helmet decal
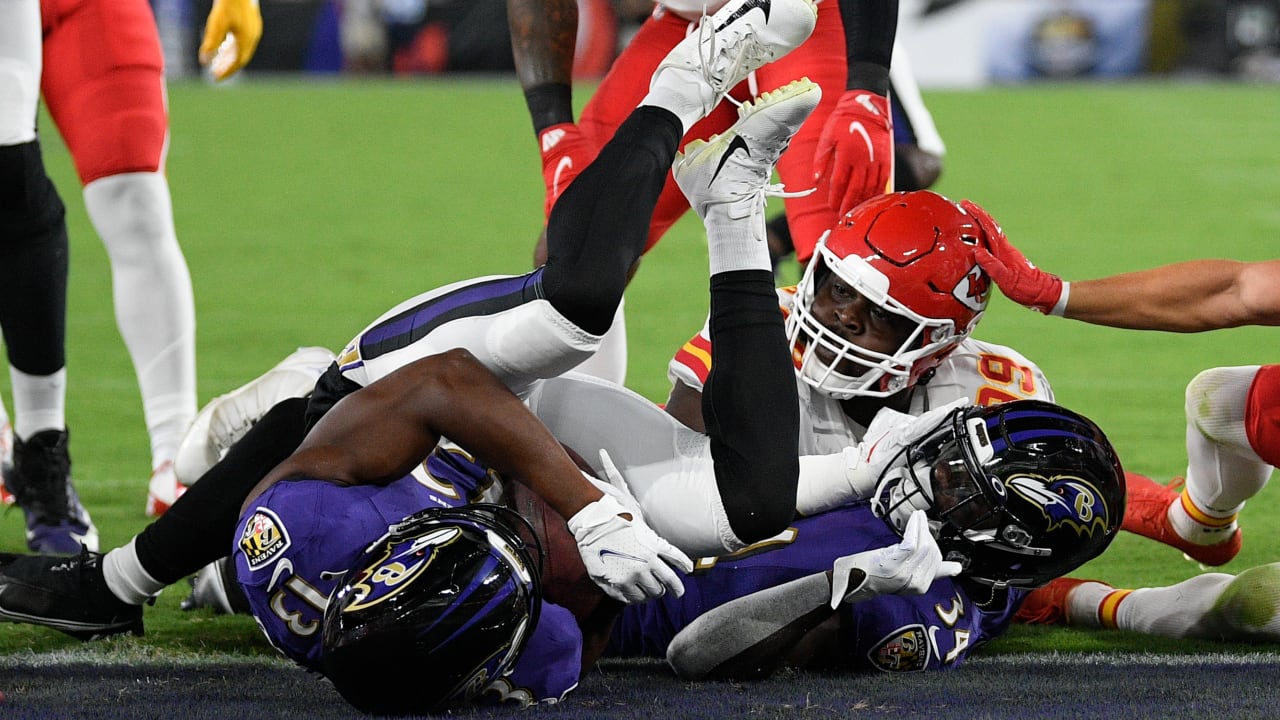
column 974, row 289
column 384, row 578
column 445, row 601
column 1066, row 501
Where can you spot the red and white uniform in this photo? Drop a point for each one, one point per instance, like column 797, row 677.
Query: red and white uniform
column 984, row 372
column 103, row 83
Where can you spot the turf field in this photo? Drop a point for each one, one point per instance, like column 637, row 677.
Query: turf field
column 305, row 209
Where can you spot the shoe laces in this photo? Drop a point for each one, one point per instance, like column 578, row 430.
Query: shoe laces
column 709, row 39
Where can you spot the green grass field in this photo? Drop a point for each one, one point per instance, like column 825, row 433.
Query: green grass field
column 305, row 209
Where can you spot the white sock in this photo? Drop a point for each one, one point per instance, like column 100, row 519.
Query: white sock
column 154, row 303
column 39, row 402
column 736, row 244
column 1083, row 602
column 1222, row 469
column 6, row 436
column 125, row 577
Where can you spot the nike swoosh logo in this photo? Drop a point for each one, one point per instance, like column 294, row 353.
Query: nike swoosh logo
column 856, row 128
column 736, row 144
column 566, row 163
column 765, row 6
column 606, row 554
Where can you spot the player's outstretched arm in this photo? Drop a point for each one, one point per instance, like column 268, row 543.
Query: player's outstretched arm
column 381, row 432
column 231, row 35
column 1192, row 296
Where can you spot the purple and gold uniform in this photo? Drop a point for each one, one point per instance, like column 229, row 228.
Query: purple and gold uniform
column 299, row 537
column 893, row 633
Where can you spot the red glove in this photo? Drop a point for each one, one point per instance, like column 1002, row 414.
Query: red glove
column 1020, row 281
column 855, row 150
column 565, row 153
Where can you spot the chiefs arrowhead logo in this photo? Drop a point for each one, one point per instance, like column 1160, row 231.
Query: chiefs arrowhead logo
column 973, row 290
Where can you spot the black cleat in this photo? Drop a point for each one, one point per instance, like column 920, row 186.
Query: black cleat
column 40, row 480
column 68, row 594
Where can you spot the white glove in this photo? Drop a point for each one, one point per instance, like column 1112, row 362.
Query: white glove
column 616, row 485
column 888, row 434
column 624, row 557
column 908, row 568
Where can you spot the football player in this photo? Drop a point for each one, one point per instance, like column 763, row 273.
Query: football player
column 529, row 327
column 99, row 66
column 848, row 141
column 1233, row 413
column 1016, row 494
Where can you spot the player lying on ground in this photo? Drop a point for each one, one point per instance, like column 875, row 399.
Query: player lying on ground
column 1016, row 494
column 643, row 152
column 1019, row 494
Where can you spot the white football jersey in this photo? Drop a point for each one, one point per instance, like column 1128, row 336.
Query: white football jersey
column 984, row 372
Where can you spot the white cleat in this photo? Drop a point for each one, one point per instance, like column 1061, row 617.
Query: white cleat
column 226, row 418
column 735, row 41
column 734, row 168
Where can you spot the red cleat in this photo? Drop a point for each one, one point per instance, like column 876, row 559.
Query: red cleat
column 1047, row 605
column 1146, row 513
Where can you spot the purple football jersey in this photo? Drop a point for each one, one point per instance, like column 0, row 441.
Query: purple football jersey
column 296, row 541
column 891, row 632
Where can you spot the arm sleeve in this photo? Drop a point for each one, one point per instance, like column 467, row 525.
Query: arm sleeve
column 870, row 27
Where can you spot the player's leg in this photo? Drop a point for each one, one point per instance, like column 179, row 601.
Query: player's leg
column 33, row 297
column 1226, row 412
column 92, row 595
column 33, row 283
column 725, row 179
column 1223, row 469
column 1213, row 606
column 110, row 107
column 648, row 51
column 711, row 497
column 616, row 194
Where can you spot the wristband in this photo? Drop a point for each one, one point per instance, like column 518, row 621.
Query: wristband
column 1060, row 308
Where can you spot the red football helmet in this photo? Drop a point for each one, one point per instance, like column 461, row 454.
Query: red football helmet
column 910, row 253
